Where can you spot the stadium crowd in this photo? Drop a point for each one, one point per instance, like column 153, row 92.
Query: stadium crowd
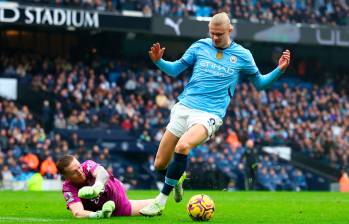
column 311, row 118
column 283, row 11
column 26, row 148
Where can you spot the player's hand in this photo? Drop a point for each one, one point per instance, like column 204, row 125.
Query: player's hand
column 284, row 60
column 108, row 209
column 106, row 212
column 97, row 215
column 89, row 192
column 156, row 52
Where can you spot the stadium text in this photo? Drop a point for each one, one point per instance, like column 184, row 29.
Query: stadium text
column 336, row 37
column 48, row 16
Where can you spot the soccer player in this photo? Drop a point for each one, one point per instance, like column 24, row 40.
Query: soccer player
column 91, row 192
column 217, row 63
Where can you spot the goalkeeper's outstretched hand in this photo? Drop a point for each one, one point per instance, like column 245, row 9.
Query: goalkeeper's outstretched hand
column 89, row 192
column 106, row 212
column 108, row 209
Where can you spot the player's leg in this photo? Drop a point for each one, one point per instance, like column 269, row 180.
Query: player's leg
column 174, row 129
column 176, row 171
column 190, row 139
column 165, row 152
column 137, row 205
column 202, row 122
column 194, row 136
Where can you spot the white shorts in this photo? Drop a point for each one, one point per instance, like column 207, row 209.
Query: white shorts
column 182, row 118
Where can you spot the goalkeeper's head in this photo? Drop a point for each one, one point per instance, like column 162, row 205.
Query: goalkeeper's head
column 71, row 170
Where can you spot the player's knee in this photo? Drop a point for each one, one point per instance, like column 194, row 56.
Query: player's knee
column 183, row 148
column 159, row 164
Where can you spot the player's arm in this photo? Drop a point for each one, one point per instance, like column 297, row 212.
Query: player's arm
column 101, row 175
column 78, row 210
column 171, row 68
column 101, row 178
column 263, row 81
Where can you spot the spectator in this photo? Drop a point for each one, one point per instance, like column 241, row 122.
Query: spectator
column 15, row 169
column 130, row 178
column 250, row 164
column 299, row 181
column 344, row 182
column 48, row 168
column 7, row 178
column 161, row 99
column 285, row 179
column 30, row 162
column 60, row 121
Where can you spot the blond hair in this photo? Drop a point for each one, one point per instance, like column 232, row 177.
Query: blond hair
column 221, row 18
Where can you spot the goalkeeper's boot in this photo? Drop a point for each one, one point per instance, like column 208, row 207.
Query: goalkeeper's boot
column 178, row 189
column 153, row 209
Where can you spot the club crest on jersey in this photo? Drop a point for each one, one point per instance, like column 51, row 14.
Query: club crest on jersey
column 219, row 55
column 233, row 59
column 95, row 200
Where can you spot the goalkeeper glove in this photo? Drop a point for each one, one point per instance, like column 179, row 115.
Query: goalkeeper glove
column 107, row 210
column 96, row 215
column 89, row 192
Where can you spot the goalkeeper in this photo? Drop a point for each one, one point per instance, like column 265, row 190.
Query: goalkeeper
column 91, row 192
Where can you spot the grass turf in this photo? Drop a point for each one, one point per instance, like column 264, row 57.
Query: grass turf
column 231, row 207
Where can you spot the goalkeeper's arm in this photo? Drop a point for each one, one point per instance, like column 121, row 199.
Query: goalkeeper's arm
column 78, row 211
column 101, row 176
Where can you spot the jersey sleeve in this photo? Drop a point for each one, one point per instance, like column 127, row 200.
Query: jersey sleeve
column 189, row 57
column 248, row 66
column 70, row 194
column 89, row 167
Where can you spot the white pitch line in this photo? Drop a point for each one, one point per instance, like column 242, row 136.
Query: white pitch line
column 28, row 219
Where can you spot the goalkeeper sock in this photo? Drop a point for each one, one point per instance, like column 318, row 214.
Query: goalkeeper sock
column 161, row 198
column 174, row 172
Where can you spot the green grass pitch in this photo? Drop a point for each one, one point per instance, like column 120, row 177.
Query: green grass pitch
column 231, row 207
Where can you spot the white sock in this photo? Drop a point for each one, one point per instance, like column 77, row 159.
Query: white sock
column 162, row 198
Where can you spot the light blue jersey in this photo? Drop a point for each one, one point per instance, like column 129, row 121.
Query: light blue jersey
column 215, row 75
column 214, row 80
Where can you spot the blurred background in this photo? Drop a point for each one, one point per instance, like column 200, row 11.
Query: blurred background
column 75, row 78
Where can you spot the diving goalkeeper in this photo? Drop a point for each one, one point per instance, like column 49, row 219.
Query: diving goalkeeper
column 91, row 192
